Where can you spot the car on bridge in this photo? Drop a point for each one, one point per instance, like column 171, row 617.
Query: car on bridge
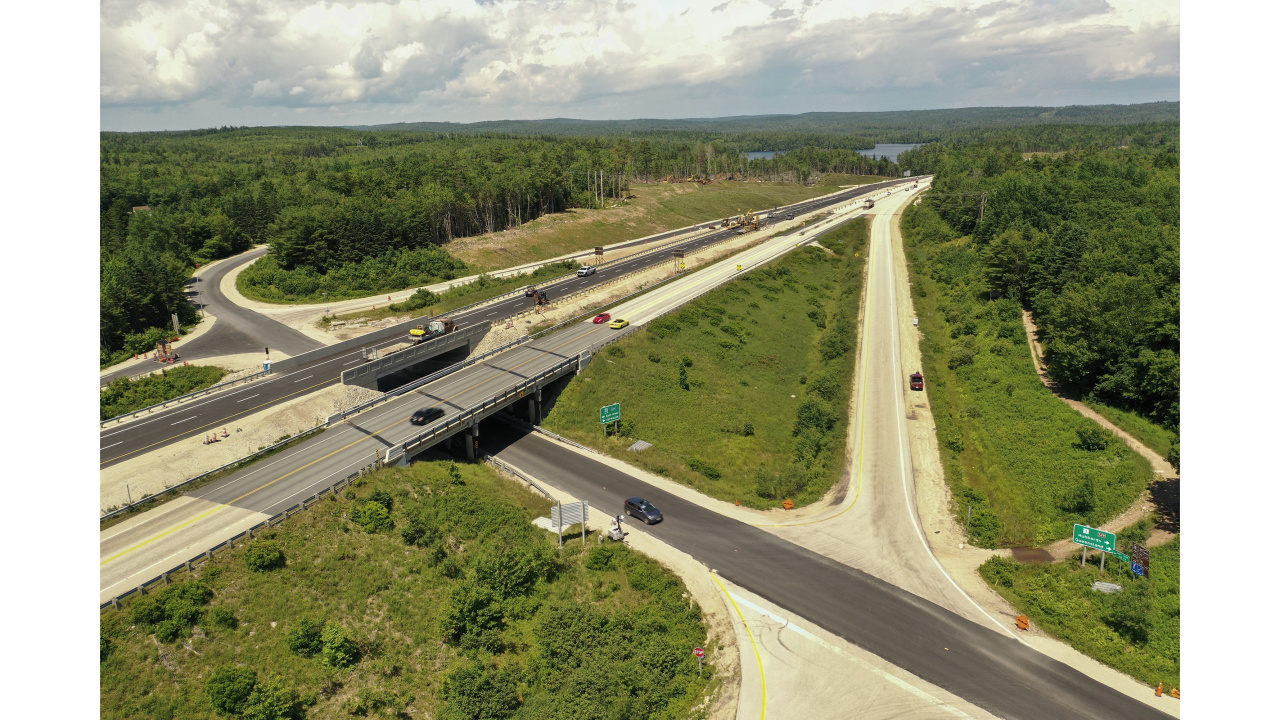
column 619, row 324
column 641, row 509
column 601, row 318
column 426, row 415
column 586, row 270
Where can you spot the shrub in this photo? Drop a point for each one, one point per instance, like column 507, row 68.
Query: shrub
column 655, row 358
column 272, row 700
column 615, row 351
column 264, row 556
column 814, row 414
column 382, row 497
column 705, row 469
column 606, row 557
column 371, row 516
column 1129, row 613
column 684, row 378
column 998, row 571
column 223, row 618
column 339, row 649
column 474, row 691
column 305, row 637
column 105, row 646
column 229, row 689
column 1092, row 438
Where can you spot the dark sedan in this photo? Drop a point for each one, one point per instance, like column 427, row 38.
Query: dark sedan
column 426, row 415
column 639, row 508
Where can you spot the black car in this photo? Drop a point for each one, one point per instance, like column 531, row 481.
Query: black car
column 426, row 415
column 638, row 507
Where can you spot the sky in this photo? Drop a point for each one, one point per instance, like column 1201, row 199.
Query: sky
column 183, row 64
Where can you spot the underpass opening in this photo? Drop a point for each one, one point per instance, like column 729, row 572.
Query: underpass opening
column 408, row 374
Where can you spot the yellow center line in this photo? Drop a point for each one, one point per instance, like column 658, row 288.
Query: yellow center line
column 216, row 423
column 376, row 434
column 759, row 661
column 862, row 412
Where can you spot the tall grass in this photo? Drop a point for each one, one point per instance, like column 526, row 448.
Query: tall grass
column 1157, row 437
column 1011, row 451
column 1135, row 631
column 460, row 603
column 743, row 393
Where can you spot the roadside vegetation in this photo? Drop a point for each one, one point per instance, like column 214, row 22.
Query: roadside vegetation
column 1160, row 439
column 1136, row 631
column 744, row 392
column 123, row 395
column 1089, row 242
column 422, row 592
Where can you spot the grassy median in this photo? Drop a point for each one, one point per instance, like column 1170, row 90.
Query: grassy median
column 122, row 395
column 423, row 592
column 744, row 392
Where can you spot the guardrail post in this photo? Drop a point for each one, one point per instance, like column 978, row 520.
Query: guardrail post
column 166, row 578
column 115, row 603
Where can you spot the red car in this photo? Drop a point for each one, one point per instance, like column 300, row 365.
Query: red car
column 917, row 381
column 601, row 318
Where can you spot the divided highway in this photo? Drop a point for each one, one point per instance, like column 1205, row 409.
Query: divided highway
column 191, row 420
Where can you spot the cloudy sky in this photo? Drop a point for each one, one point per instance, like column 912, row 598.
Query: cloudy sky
column 179, row 64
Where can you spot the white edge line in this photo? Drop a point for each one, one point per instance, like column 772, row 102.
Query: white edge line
column 904, row 458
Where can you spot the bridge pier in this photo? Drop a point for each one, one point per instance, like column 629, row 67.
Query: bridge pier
column 472, row 440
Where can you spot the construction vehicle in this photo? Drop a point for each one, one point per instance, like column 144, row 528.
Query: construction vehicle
column 869, row 204
column 434, row 329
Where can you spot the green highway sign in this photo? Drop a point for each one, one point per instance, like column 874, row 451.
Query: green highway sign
column 1094, row 538
column 1123, row 557
column 611, row 413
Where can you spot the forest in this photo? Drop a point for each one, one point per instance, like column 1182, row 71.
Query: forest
column 1089, row 243
column 368, row 202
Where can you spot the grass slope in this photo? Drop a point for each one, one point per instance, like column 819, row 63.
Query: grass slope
column 744, row 392
column 449, row 605
column 1010, row 449
column 1135, row 631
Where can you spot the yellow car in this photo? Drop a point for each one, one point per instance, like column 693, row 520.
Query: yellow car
column 619, row 324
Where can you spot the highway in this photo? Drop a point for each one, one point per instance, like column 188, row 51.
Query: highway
column 192, row 420
column 980, row 664
column 153, row 542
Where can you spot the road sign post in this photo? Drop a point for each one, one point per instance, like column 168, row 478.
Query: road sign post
column 1093, row 538
column 610, row 414
column 698, row 653
column 1140, row 563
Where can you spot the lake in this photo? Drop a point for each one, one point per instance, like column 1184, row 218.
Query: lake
column 889, row 150
column 765, row 155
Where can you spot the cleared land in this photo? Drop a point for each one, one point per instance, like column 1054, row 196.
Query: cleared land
column 424, row 592
column 652, row 209
column 743, row 393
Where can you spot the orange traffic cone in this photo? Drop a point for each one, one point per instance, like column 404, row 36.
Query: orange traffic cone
column 1175, row 694
column 225, row 433
column 1160, row 689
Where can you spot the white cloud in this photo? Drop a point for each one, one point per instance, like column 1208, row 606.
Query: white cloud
column 454, row 59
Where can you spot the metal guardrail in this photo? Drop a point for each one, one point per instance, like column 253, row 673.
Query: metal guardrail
column 507, row 468
column 175, row 488
column 188, row 396
column 468, row 417
column 230, row 543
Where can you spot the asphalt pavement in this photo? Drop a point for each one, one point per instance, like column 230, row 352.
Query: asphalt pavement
column 980, row 665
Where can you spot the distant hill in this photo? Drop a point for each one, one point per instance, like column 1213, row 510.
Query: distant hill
column 899, row 125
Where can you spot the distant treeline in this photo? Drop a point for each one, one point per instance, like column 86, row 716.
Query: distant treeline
column 900, row 126
column 1088, row 241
